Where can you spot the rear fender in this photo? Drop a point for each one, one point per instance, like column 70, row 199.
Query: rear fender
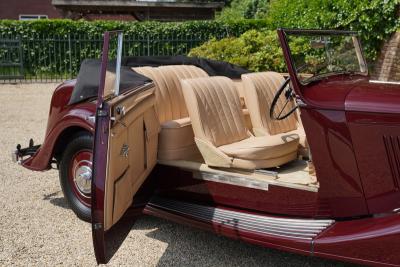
column 75, row 120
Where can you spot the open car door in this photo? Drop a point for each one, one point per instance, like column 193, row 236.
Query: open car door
column 125, row 147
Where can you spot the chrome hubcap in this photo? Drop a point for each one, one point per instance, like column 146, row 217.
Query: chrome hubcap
column 83, row 177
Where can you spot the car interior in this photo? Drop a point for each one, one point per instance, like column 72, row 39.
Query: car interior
column 227, row 125
column 218, row 128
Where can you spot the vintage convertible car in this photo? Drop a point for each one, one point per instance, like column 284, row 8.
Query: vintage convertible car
column 215, row 146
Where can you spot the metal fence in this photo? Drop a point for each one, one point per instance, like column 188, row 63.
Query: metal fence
column 56, row 58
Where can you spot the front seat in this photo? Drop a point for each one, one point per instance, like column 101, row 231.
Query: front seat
column 176, row 138
column 220, row 130
column 260, row 89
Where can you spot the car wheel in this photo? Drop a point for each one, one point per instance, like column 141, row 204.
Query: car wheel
column 75, row 172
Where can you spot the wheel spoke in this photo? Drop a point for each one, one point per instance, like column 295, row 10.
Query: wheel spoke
column 284, row 106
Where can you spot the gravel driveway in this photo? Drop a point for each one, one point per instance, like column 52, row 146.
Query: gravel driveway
column 38, row 228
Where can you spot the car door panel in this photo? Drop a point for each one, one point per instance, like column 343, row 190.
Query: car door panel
column 125, row 148
column 129, row 160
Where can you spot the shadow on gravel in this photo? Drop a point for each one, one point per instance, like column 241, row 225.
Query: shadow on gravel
column 189, row 246
column 56, row 201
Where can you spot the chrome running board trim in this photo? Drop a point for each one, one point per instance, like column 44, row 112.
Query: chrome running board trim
column 301, row 229
column 231, row 179
column 267, row 172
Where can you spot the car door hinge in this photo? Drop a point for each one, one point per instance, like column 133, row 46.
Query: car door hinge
column 98, row 226
column 300, row 103
column 102, row 113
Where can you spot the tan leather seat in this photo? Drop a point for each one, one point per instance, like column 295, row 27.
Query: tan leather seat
column 220, row 130
column 259, row 92
column 176, row 138
column 240, row 89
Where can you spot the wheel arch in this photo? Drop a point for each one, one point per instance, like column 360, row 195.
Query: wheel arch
column 64, row 138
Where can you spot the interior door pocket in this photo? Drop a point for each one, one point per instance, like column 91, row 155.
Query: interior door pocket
column 122, row 195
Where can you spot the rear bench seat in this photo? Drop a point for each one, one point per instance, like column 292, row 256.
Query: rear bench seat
column 176, row 139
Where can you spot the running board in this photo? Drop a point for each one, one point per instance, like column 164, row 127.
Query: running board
column 298, row 229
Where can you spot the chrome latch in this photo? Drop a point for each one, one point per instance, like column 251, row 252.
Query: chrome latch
column 97, row 226
column 300, row 103
column 91, row 118
column 120, row 110
column 102, row 113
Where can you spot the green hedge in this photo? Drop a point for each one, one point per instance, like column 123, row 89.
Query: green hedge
column 27, row 29
column 55, row 48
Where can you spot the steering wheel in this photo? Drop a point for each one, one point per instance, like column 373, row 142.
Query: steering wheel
column 287, row 91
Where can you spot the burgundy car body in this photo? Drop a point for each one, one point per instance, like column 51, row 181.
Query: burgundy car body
column 353, row 129
column 64, row 120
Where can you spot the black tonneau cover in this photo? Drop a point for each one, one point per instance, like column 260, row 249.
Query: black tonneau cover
column 89, row 74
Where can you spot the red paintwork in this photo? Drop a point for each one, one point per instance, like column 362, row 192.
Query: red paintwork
column 100, row 162
column 372, row 241
column 98, row 185
column 61, row 117
column 335, row 162
column 331, row 92
column 378, row 154
column 374, row 98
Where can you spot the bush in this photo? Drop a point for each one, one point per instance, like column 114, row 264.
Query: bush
column 254, row 50
column 244, row 9
column 375, row 20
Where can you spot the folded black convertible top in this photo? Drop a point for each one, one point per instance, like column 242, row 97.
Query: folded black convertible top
column 87, row 83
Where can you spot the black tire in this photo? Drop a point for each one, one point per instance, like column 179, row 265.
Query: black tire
column 80, row 141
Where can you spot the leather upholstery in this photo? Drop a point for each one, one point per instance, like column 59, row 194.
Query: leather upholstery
column 240, row 90
column 176, row 139
column 260, row 90
column 259, row 93
column 171, row 93
column 220, row 129
column 262, row 148
column 216, row 105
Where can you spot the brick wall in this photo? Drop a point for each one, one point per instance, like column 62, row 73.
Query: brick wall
column 387, row 67
column 11, row 9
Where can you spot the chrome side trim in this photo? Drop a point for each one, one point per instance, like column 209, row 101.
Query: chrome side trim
column 231, row 179
column 384, row 82
column 267, row 172
column 302, row 229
